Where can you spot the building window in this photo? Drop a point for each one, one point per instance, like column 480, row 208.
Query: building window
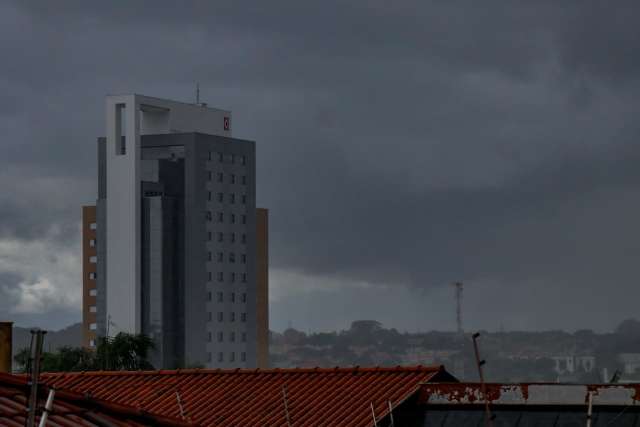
column 92, row 276
column 220, row 299
column 233, row 218
column 209, row 175
column 209, row 336
column 220, row 217
column 244, row 297
column 93, row 292
column 221, row 157
column 243, row 257
column 220, row 316
column 220, row 236
column 93, row 326
column 220, row 257
column 244, row 179
column 244, row 199
column 209, row 196
column 209, row 357
column 232, row 257
column 233, row 297
column 92, row 309
column 244, row 160
column 233, row 277
column 232, row 198
column 232, row 357
column 210, row 316
column 220, row 336
column 232, row 336
column 93, row 226
column 233, row 178
column 209, row 234
column 244, row 219
column 209, row 155
column 208, row 296
column 220, row 276
column 92, row 343
column 243, row 356
column 220, row 197
column 207, row 215
column 220, row 177
column 232, row 158
column 233, row 237
column 93, row 259
column 220, row 357
column 209, row 255
column 209, row 274
column 244, row 238
column 244, row 277
column 232, row 317
column 244, row 337
column 243, row 317
column 92, row 243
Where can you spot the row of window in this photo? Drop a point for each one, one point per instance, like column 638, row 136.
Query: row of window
column 232, row 237
column 232, row 277
column 231, row 197
column 231, row 178
column 231, row 257
column 232, row 357
column 228, row 158
column 232, row 297
column 231, row 316
column 232, row 337
column 220, row 217
column 93, row 259
column 93, row 226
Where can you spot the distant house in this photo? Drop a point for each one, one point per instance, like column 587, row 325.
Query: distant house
column 572, row 364
column 630, row 363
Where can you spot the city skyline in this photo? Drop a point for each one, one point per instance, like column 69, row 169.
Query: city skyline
column 403, row 149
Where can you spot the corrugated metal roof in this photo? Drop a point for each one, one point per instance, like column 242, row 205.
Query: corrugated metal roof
column 530, row 394
column 69, row 409
column 314, row 397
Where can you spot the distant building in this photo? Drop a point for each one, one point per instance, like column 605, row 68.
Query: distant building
column 89, row 270
column 572, row 364
column 180, row 251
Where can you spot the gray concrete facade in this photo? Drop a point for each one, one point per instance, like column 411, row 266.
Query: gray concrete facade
column 198, row 244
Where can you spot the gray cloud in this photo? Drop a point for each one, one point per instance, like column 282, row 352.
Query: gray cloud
column 403, row 146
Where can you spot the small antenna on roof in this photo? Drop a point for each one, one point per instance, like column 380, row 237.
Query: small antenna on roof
column 197, row 93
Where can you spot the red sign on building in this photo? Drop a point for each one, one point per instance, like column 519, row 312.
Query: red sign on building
column 226, row 123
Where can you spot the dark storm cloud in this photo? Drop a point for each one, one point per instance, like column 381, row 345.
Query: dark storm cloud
column 410, row 144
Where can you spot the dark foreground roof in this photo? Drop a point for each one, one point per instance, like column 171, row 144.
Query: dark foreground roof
column 523, row 405
column 69, row 409
column 309, row 397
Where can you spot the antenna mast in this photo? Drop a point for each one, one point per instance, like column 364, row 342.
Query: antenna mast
column 459, row 288
column 197, row 93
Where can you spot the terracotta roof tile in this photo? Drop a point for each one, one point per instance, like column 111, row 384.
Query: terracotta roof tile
column 69, row 408
column 315, row 396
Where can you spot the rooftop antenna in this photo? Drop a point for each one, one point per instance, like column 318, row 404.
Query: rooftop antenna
column 197, row 93
column 459, row 288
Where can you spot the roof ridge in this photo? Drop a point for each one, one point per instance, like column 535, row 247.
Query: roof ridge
column 235, row 371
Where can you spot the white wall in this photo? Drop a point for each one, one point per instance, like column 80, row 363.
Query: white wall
column 144, row 115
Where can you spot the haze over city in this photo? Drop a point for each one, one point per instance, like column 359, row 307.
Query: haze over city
column 399, row 149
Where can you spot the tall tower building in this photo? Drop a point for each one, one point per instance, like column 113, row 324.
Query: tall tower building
column 181, row 250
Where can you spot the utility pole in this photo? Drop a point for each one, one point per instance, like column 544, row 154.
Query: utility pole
column 459, row 287
column 37, row 338
column 488, row 420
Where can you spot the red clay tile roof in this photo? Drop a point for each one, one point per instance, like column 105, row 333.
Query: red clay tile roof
column 315, row 397
column 69, row 409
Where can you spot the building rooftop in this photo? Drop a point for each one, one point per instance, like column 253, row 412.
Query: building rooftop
column 69, row 408
column 309, row 397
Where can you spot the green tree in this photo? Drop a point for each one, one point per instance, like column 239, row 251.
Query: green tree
column 128, row 352
column 124, row 352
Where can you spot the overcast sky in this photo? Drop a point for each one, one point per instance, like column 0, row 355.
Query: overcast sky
column 401, row 146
